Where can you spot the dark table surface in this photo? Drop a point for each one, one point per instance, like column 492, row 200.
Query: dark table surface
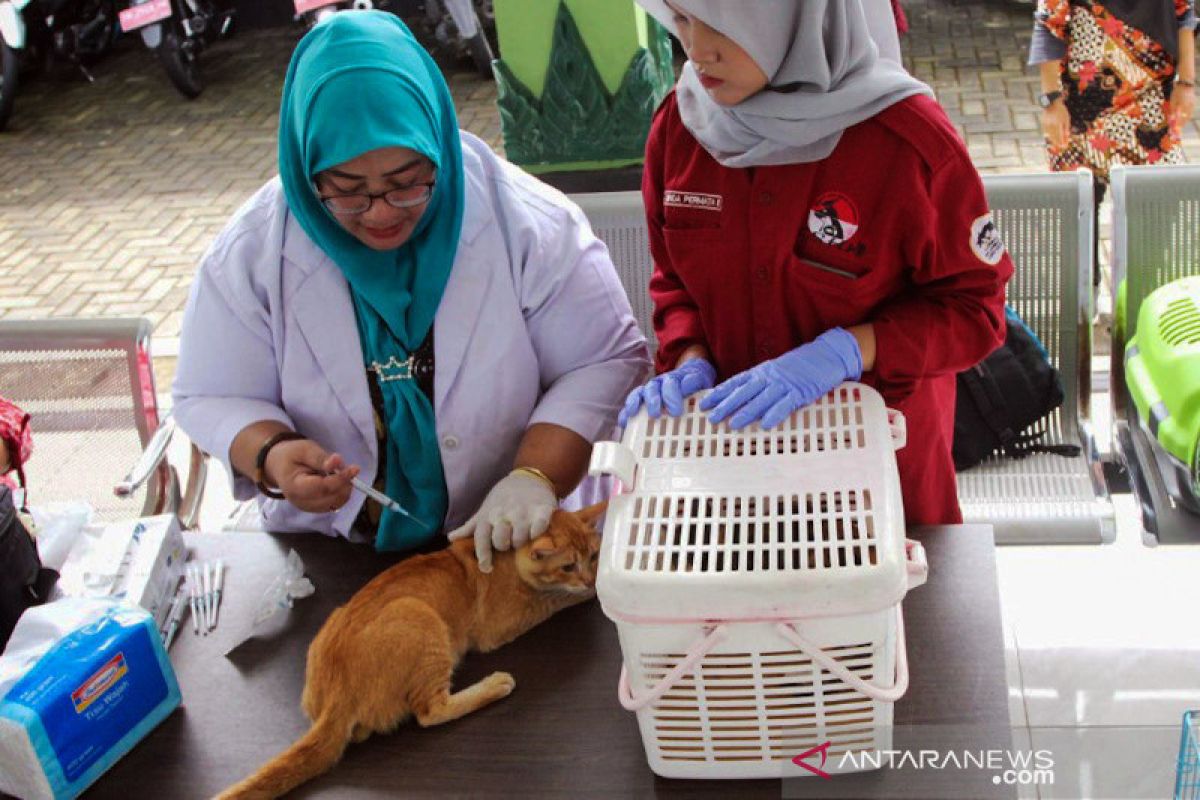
column 562, row 732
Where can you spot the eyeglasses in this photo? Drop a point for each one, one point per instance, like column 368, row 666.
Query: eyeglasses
column 407, row 197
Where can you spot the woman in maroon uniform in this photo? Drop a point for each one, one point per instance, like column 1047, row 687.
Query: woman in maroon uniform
column 814, row 218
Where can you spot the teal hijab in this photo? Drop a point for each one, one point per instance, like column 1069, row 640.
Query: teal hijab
column 359, row 82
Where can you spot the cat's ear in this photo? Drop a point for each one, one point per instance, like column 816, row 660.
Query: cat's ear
column 592, row 514
column 542, row 548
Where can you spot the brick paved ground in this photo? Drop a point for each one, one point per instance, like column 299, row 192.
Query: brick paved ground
column 111, row 191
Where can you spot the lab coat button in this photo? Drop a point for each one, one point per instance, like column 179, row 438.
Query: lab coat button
column 450, row 441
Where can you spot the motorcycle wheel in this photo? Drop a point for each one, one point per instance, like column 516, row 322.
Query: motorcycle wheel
column 182, row 68
column 481, row 53
column 8, row 81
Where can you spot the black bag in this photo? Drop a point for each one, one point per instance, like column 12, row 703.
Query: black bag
column 1002, row 396
column 23, row 581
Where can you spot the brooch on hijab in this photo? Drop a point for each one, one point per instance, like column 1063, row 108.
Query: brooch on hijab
column 393, row 369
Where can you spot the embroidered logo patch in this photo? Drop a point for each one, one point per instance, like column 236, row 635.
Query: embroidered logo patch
column 833, row 219
column 985, row 240
column 707, row 202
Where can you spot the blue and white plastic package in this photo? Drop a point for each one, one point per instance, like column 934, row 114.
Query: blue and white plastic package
column 81, row 682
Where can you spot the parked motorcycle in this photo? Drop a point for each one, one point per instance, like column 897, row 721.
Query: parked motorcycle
column 178, row 30
column 42, row 32
column 310, row 12
column 461, row 24
column 12, row 38
column 458, row 25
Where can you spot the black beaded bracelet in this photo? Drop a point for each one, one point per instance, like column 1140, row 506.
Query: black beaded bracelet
column 260, row 461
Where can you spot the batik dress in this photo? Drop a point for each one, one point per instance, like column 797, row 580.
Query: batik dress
column 1117, row 81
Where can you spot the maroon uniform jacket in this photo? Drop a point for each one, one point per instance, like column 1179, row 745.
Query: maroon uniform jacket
column 892, row 228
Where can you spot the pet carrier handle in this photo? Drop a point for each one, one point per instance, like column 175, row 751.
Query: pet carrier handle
column 613, row 458
column 898, row 427
column 698, row 651
column 883, row 694
column 918, row 566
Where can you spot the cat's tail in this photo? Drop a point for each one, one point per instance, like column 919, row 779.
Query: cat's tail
column 311, row 755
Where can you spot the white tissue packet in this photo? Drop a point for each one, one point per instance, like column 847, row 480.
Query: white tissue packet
column 81, row 682
column 140, row 560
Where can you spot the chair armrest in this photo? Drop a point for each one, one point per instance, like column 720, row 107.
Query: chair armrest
column 193, row 493
column 152, row 456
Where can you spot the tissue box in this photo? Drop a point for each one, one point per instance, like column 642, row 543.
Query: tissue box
column 140, row 560
column 82, row 682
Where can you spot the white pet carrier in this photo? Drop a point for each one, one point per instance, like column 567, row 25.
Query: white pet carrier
column 755, row 578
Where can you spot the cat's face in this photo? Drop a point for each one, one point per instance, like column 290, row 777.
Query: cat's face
column 565, row 557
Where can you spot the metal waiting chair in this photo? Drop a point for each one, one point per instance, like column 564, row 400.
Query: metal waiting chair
column 88, row 387
column 1156, row 239
column 619, row 219
column 1046, row 222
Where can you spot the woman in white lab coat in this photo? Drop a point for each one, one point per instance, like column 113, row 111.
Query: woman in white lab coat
column 403, row 306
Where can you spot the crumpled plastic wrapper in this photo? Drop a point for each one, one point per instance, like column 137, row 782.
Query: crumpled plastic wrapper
column 271, row 613
column 284, row 590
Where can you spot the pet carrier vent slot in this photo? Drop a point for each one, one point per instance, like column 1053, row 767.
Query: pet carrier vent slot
column 835, row 422
column 751, row 533
column 1180, row 323
column 747, row 707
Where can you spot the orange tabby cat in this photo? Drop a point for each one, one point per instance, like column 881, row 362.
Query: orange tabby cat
column 390, row 652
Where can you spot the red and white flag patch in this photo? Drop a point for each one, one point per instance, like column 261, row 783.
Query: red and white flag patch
column 833, row 219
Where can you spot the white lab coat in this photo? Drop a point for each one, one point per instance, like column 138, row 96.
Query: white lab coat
column 533, row 327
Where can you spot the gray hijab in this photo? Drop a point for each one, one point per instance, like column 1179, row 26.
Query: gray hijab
column 824, row 72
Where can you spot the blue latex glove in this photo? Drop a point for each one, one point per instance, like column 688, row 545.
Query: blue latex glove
column 669, row 389
column 774, row 389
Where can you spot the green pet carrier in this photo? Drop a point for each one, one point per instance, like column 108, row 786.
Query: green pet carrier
column 1162, row 370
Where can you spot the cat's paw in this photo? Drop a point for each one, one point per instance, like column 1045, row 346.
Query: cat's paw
column 501, row 683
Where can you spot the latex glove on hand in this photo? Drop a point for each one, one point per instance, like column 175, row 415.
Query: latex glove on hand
column 516, row 510
column 669, row 389
column 774, row 389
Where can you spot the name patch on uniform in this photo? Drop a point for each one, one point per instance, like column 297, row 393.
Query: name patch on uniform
column 708, row 202
column 985, row 240
column 833, row 219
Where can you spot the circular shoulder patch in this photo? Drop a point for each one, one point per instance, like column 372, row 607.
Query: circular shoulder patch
column 985, row 240
column 833, row 218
